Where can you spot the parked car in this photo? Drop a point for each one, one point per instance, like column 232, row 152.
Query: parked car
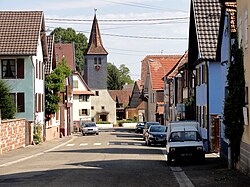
column 139, row 127
column 146, row 126
column 90, row 128
column 156, row 134
column 184, row 140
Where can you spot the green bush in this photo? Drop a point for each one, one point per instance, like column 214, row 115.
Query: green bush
column 102, row 122
column 37, row 136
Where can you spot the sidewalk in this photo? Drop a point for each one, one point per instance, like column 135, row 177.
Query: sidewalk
column 31, row 151
column 215, row 172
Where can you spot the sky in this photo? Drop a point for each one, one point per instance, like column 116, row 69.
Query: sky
column 130, row 29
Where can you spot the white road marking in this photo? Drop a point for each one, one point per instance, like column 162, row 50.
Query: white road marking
column 35, row 155
column 83, row 144
column 97, row 144
column 138, row 144
column 70, row 145
column 180, row 175
column 124, row 143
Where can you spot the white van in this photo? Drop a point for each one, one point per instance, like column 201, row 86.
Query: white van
column 184, row 140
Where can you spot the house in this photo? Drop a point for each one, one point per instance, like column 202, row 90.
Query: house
column 121, row 97
column 95, row 75
column 205, row 41
column 153, row 89
column 174, row 81
column 66, row 51
column 81, row 99
column 52, row 126
column 23, row 53
column 136, row 106
column 243, row 12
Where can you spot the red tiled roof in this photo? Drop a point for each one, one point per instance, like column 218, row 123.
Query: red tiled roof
column 207, row 15
column 66, row 51
column 182, row 61
column 141, row 105
column 95, row 41
column 160, row 66
column 122, row 95
column 150, row 58
column 19, row 32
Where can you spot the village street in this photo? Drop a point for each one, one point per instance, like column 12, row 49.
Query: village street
column 115, row 157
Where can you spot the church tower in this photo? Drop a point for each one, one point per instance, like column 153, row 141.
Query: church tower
column 95, row 67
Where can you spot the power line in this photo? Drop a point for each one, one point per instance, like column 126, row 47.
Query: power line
column 138, row 37
column 142, row 5
column 117, row 20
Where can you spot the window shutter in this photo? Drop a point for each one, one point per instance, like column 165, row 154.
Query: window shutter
column 36, row 68
column 20, row 68
column 20, row 102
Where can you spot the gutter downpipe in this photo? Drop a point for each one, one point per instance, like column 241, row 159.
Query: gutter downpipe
column 208, row 113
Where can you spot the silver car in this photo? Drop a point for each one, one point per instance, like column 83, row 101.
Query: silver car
column 90, row 128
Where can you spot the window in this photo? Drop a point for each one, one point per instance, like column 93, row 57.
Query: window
column 95, row 61
column 84, row 98
column 99, row 61
column 84, row 112
column 75, row 84
column 18, row 100
column 92, row 107
column 103, row 107
column 12, row 68
column 97, row 93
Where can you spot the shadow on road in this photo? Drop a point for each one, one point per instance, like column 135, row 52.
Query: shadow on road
column 117, row 150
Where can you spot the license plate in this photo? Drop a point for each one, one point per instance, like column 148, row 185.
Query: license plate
column 90, row 129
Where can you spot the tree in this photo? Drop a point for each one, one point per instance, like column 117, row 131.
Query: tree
column 117, row 78
column 124, row 75
column 80, row 42
column 55, row 83
column 7, row 106
column 234, row 103
column 113, row 79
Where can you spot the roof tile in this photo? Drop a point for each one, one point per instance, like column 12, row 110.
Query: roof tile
column 19, row 32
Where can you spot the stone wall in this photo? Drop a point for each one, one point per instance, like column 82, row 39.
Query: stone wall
column 12, row 134
column 244, row 164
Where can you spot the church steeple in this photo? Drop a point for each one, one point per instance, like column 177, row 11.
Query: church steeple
column 95, row 41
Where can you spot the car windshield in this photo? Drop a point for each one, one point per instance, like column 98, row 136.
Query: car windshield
column 140, row 124
column 181, row 136
column 158, row 128
column 89, row 125
column 151, row 123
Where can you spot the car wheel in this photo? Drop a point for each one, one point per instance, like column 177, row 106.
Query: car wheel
column 169, row 159
column 97, row 133
column 83, row 133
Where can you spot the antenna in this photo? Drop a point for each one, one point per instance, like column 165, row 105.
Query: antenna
column 95, row 9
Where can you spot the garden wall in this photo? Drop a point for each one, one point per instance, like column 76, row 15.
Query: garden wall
column 12, row 134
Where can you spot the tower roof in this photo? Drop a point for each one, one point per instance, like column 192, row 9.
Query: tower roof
column 95, row 41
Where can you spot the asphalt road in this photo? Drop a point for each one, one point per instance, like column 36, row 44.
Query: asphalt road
column 115, row 157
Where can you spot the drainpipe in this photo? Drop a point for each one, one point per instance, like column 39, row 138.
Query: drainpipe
column 208, row 113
